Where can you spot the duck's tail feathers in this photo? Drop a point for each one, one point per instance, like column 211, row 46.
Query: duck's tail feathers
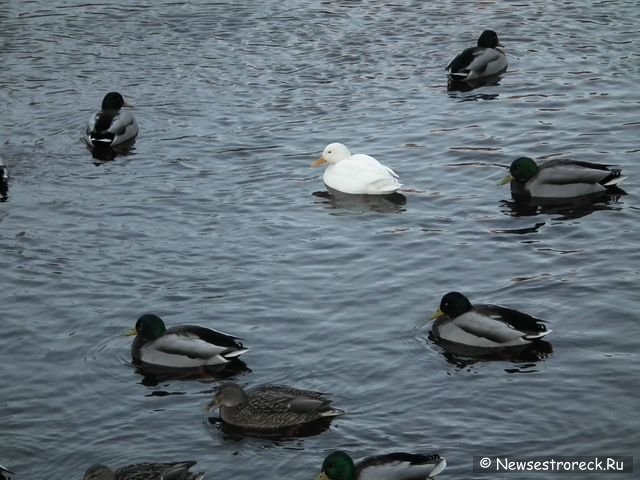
column 440, row 466
column 199, row 476
column 332, row 412
column 536, row 336
column 615, row 178
column 236, row 353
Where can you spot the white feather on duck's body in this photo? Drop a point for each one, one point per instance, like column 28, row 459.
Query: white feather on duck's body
column 183, row 346
column 4, row 188
column 392, row 466
column 111, row 126
column 560, row 178
column 4, row 177
column 483, row 325
column 356, row 174
column 482, row 61
column 145, row 471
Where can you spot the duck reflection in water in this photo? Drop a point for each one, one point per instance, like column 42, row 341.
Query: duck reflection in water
column 392, row 203
column 566, row 209
column 153, row 376
column 524, row 358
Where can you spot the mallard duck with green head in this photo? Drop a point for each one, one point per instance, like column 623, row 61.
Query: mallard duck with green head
column 182, row 346
column 484, row 325
column 270, row 407
column 391, row 466
column 145, row 471
column 484, row 60
column 560, row 178
column 112, row 126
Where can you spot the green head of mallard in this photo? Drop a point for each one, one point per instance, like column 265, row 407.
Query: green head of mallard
column 453, row 304
column 113, row 101
column 521, row 170
column 338, row 466
column 148, row 326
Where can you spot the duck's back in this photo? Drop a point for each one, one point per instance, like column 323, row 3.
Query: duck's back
column 278, row 406
column 361, row 174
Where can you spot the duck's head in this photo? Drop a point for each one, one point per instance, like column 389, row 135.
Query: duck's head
column 113, row 101
column 228, row 394
column 522, row 170
column 148, row 326
column 99, row 472
column 337, row 466
column 332, row 153
column 489, row 39
column 452, row 305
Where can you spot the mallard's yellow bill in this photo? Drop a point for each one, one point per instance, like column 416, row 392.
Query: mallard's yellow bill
column 319, row 162
column 439, row 313
column 506, row 180
column 131, row 333
column 322, row 476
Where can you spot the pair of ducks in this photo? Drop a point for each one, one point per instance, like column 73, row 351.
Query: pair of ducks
column 559, row 179
column 336, row 466
column 112, row 126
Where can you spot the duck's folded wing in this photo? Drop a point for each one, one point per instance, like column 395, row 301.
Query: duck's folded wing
column 208, row 335
column 154, row 471
column 188, row 345
column 400, row 466
column 482, row 58
column 514, row 318
column 569, row 171
column 488, row 331
column 462, row 61
column 122, row 121
column 368, row 175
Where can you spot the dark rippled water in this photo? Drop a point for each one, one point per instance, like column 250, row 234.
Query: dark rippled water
column 213, row 220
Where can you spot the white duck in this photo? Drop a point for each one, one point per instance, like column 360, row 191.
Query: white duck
column 356, row 174
column 482, row 61
column 111, row 126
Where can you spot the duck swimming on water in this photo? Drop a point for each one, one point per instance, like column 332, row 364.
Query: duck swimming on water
column 112, row 126
column 391, row 466
column 270, row 407
column 560, row 178
column 483, row 325
column 484, row 60
column 356, row 174
column 145, row 471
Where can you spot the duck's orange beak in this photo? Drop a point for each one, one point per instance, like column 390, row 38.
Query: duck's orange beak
column 319, row 162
